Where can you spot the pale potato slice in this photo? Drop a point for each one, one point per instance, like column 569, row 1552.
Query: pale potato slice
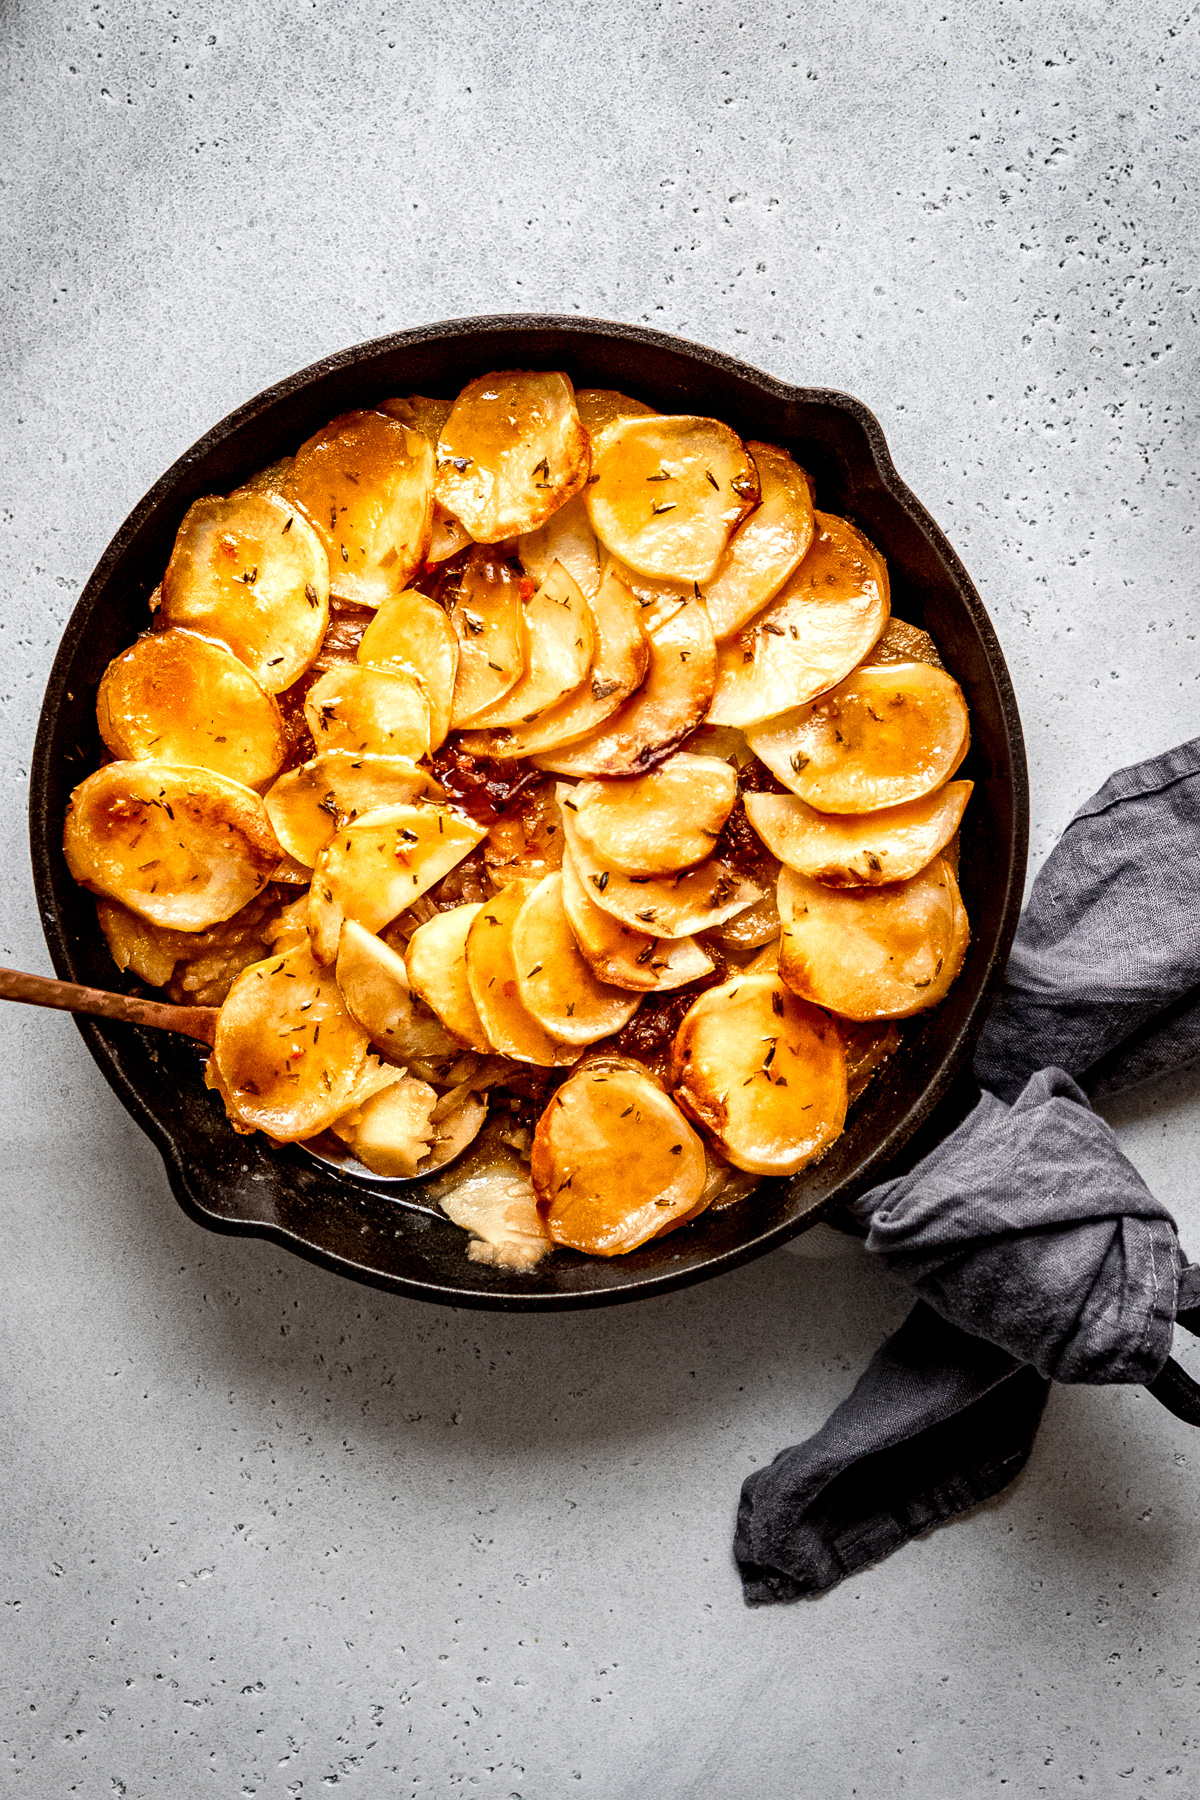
column 902, row 642
column 184, row 699
column 657, row 600
column 764, row 1074
column 621, row 956
column 881, row 738
column 374, row 984
column 411, row 632
column 667, row 707
column 811, row 635
column 370, row 711
column 251, row 572
column 873, row 953
column 673, row 906
column 567, row 538
column 366, row 483
column 287, row 1055
column 436, row 960
column 619, row 664
column 308, row 803
column 448, row 536
column 375, row 867
column 555, row 982
column 391, row 1132
column 180, row 847
column 512, row 452
column 614, row 1162
column 421, row 413
column 488, row 620
column 496, row 1205
column 658, row 823
column 858, row 849
column 601, row 408
column 766, row 547
column 667, row 492
column 561, row 639
column 454, row 1131
column 508, row 1025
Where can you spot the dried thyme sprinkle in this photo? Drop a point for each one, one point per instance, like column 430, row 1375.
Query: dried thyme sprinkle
column 667, row 506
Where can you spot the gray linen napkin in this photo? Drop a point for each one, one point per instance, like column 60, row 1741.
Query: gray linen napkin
column 1037, row 1250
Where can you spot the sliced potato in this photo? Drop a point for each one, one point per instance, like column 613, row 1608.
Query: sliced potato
column 657, row 600
column 420, row 412
column 512, row 452
column 271, row 480
column 810, row 637
column 763, row 1072
column 621, row 956
column 508, row 1025
column 561, row 639
column 600, row 408
column 184, row 699
column 180, row 847
column 555, row 982
column 858, row 849
column 667, row 492
column 902, row 642
column 253, row 573
column 766, row 547
column 391, row 1131
column 374, row 984
column 496, row 1205
column 488, row 620
column 749, row 930
column 411, row 632
column 308, row 803
column 436, row 960
column 366, row 483
column 289, row 931
column 567, row 538
column 614, row 1162
column 873, row 953
column 658, row 823
column 378, row 865
column 287, row 1055
column 370, row 711
column 448, row 536
column 454, row 1131
column 667, row 707
column 881, row 738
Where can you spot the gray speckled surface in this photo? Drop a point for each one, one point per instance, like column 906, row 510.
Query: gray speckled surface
column 267, row 1533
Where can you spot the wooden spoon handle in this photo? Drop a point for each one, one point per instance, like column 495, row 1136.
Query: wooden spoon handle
column 43, row 990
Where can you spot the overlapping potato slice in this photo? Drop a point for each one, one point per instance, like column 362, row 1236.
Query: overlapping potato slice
column 180, row 847
column 873, row 953
column 375, row 987
column 270, row 480
column 614, row 1161
column 749, row 930
column 567, row 538
column 436, row 960
column 880, row 738
column 391, row 1130
column 766, row 547
column 560, row 637
column 667, row 491
column 381, row 712
column 508, row 1025
column 287, row 1056
column 308, row 803
column 454, row 1130
column 658, row 823
column 253, row 573
column 184, row 699
column 656, row 601
column 667, row 707
column 621, row 956
column 511, row 452
column 421, row 413
column 671, row 906
column 488, row 620
column 763, row 1072
column 601, row 408
column 858, row 849
column 366, row 483
column 496, row 1205
column 375, row 867
column 555, row 981
column 902, row 642
column 812, row 634
column 411, row 632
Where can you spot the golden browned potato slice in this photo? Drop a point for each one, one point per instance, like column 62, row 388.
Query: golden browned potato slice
column 366, row 483
column 858, row 849
column 667, row 707
column 381, row 712
column 180, row 847
column 767, row 960
column 454, row 1131
column 512, row 452
column 614, row 1162
column 881, row 738
column 600, row 408
column 184, row 699
column 672, row 906
column 764, row 1073
column 668, row 491
column 567, row 538
column 561, row 638
column 809, row 638
column 488, row 620
column 271, row 480
column 287, row 1057
column 308, row 803
column 873, row 953
column 436, row 959
column 766, row 547
column 555, row 982
column 621, row 956
column 411, row 632
column 748, row 930
column 374, row 984
column 253, row 573
column 508, row 1025
column 289, row 931
column 420, row 413
column 658, row 823
column 375, row 867
column 657, row 601
column 619, row 664
column 391, row 1130
column 902, row 642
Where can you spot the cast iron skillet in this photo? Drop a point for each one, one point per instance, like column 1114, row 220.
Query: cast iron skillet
column 238, row 1184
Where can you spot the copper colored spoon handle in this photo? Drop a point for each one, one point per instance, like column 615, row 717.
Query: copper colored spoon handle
column 43, row 990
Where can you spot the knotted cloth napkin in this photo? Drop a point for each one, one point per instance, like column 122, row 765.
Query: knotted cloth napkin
column 1036, row 1249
